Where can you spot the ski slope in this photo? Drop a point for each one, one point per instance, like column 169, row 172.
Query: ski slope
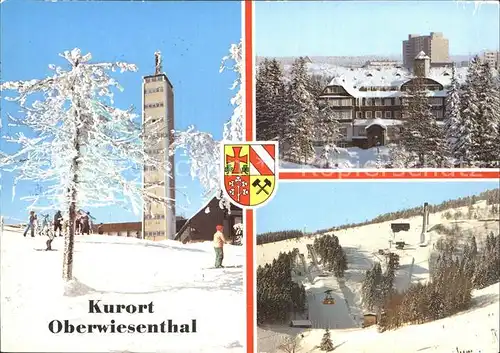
column 475, row 330
column 120, row 270
column 361, row 245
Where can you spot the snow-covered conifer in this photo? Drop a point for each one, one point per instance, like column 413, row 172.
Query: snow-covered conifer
column 326, row 344
column 466, row 147
column 489, row 118
column 87, row 151
column 303, row 111
column 453, row 118
column 421, row 134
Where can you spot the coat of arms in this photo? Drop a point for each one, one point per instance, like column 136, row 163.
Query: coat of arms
column 249, row 172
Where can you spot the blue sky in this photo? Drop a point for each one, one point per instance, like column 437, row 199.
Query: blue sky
column 351, row 28
column 329, row 204
column 192, row 36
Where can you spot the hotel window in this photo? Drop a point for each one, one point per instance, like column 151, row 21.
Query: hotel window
column 388, row 114
column 387, row 101
column 343, row 131
column 368, row 101
column 378, row 114
column 345, row 114
column 359, row 115
column 378, row 101
column 397, row 101
column 368, row 115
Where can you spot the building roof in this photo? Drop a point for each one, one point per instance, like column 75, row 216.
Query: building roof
column 162, row 74
column 203, row 209
column 421, row 56
column 354, row 79
column 377, row 121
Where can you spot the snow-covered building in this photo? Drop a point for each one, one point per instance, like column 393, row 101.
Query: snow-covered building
column 158, row 122
column 368, row 101
column 201, row 226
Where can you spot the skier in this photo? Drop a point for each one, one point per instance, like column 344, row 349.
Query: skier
column 84, row 223
column 58, row 218
column 45, row 224
column 219, row 242
column 91, row 224
column 31, row 224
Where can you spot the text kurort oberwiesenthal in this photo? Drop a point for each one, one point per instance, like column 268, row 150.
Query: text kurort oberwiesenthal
column 95, row 307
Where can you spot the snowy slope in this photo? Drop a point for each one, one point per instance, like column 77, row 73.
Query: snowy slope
column 361, row 245
column 118, row 270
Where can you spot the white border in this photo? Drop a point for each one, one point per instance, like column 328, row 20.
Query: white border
column 276, row 170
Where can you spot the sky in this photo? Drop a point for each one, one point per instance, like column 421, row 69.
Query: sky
column 330, row 204
column 192, row 36
column 356, row 28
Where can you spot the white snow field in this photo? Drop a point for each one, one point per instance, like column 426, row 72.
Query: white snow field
column 120, row 270
column 351, row 157
column 477, row 329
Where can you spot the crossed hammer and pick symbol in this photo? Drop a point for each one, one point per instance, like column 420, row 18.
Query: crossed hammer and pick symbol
column 267, row 183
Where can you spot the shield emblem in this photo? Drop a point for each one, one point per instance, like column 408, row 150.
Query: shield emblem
column 249, row 171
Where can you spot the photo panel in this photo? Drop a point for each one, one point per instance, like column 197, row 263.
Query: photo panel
column 338, row 90
column 379, row 266
column 116, row 235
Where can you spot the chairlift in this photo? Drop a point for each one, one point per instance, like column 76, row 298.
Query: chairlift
column 328, row 297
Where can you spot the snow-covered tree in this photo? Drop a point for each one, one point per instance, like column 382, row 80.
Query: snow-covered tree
column 466, row 147
column 325, row 155
column 326, row 344
column 234, row 129
column 489, row 118
column 270, row 101
column 400, row 158
column 88, row 152
column 263, row 103
column 202, row 150
column 239, row 230
column 453, row 118
column 421, row 134
column 327, row 127
column 302, row 114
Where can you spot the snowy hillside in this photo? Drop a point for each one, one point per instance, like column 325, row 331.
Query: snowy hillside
column 362, row 245
column 475, row 330
column 118, row 270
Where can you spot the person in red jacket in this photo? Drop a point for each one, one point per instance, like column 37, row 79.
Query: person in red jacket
column 219, row 242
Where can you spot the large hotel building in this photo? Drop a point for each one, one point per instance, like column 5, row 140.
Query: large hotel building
column 368, row 100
